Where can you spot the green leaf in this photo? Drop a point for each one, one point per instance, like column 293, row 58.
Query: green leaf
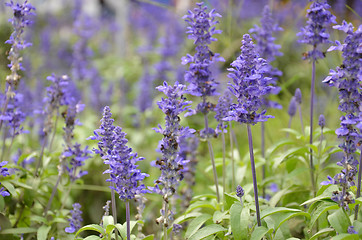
column 282, row 217
column 274, row 210
column 259, row 232
column 43, row 231
column 230, row 200
column 10, row 187
column 92, row 237
column 207, row 231
column 91, row 227
column 322, row 232
column 218, row 216
column 339, row 221
column 107, row 220
column 200, row 204
column 196, row 223
column 186, row 217
column 345, row 236
column 110, row 228
column 38, row 219
column 276, row 198
column 18, row 230
column 149, row 237
column 239, row 219
column 322, row 208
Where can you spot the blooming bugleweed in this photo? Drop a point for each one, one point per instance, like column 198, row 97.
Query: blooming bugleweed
column 315, row 32
column 76, row 220
column 201, row 28
column 347, row 80
column 249, row 85
column 19, row 21
column 112, row 148
column 4, row 172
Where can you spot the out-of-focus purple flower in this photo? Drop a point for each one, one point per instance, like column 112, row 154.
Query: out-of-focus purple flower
column 249, row 85
column 112, row 148
column 13, row 117
column 20, row 20
column 4, row 172
column 222, row 109
column 351, row 230
column 263, row 36
column 144, row 98
column 75, row 222
column 201, row 29
column 70, row 119
column 24, row 162
column 321, row 121
column 315, row 32
column 347, row 80
column 274, row 187
column 292, row 107
column 298, row 96
column 77, row 157
column 239, row 191
column 123, row 171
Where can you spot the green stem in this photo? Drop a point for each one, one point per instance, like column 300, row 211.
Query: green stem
column 223, row 168
column 232, row 156
column 128, row 221
column 311, row 127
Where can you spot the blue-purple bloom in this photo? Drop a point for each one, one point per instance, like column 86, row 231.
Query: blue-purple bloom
column 77, row 157
column 249, row 85
column 351, row 230
column 75, row 222
column 123, row 171
column 201, row 29
column 222, row 109
column 292, row 109
column 298, row 95
column 322, row 121
column 4, row 172
column 239, row 191
column 13, row 117
column 315, row 33
column 347, row 80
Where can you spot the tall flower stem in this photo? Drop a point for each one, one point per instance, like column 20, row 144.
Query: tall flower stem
column 252, row 163
column 5, row 107
column 232, row 156
column 165, row 220
column 55, row 130
column 53, row 194
column 301, row 118
column 289, row 125
column 216, row 182
column 40, row 160
column 312, row 90
column 358, row 186
column 263, row 154
column 114, row 208
column 128, row 221
column 223, row 168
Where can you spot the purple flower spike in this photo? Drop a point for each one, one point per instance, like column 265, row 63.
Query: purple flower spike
column 222, row 109
column 239, row 191
column 201, row 28
column 298, row 95
column 123, row 171
column 4, row 172
column 75, row 222
column 249, row 85
column 321, row 121
column 21, row 19
column 347, row 80
column 315, row 32
column 77, row 157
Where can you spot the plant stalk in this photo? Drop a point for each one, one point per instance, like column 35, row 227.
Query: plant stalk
column 358, row 186
column 223, row 168
column 232, row 156
column 311, row 127
column 128, row 221
column 216, row 182
column 301, row 118
column 252, row 163
column 114, row 209
column 263, row 155
column 165, row 220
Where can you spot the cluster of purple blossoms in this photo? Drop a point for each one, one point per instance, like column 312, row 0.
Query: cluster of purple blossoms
column 77, row 158
column 171, row 164
column 21, row 19
column 249, row 85
column 346, row 79
column 13, row 117
column 222, row 109
column 201, row 28
column 315, row 32
column 4, row 172
column 268, row 50
column 75, row 222
column 123, row 171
